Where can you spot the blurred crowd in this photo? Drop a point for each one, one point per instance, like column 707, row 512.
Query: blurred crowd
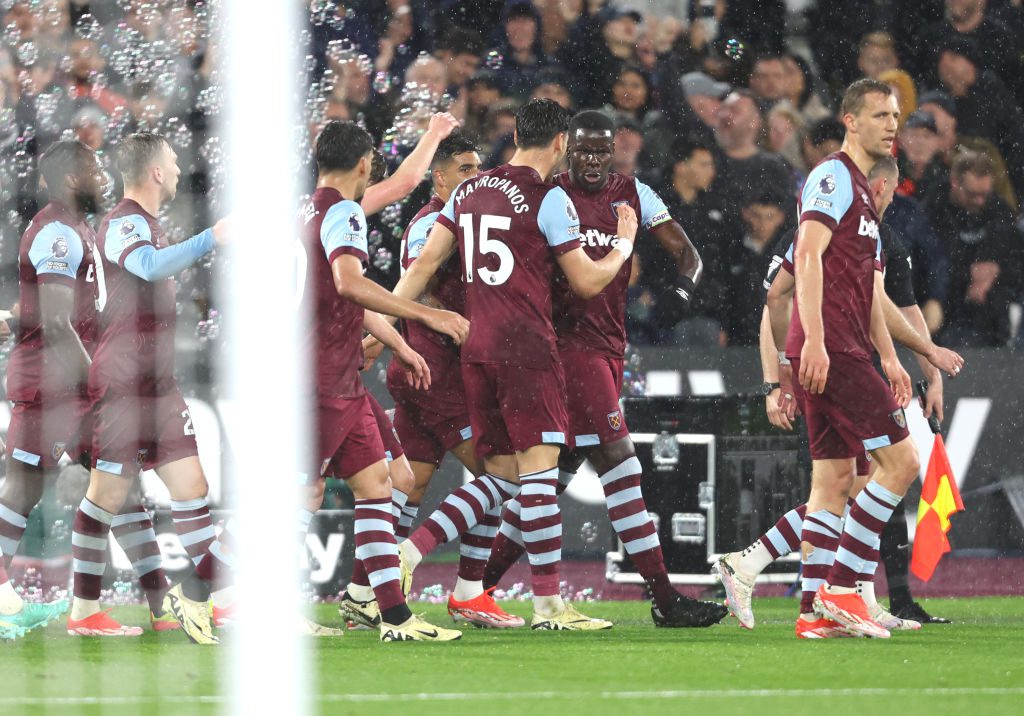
column 722, row 106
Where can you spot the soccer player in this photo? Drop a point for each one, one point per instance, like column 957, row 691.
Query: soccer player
column 142, row 420
column 739, row 570
column 344, row 300
column 47, row 377
column 432, row 422
column 591, row 343
column 512, row 227
column 847, row 405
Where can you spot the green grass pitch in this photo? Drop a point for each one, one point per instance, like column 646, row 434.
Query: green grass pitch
column 975, row 665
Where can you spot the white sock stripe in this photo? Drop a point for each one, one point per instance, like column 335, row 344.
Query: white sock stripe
column 514, row 506
column 365, row 524
column 834, row 522
column 810, row 585
column 624, row 496
column 883, row 494
column 217, row 550
column 14, row 518
column 486, row 482
column 88, row 542
column 190, row 538
column 129, row 518
column 464, row 508
column 482, row 530
column 544, row 533
column 399, row 498
column 506, row 489
column 382, row 576
column 197, row 559
column 869, row 568
column 411, row 510
column 85, row 567
column 441, row 520
column 376, row 549
column 535, row 513
column 778, row 541
column 848, row 558
column 818, row 529
column 544, row 489
column 481, row 554
column 642, row 545
column 134, row 539
column 148, row 564
column 95, row 511
column 482, row 498
column 871, row 506
column 861, row 533
column 184, row 505
column 795, row 521
column 625, row 468
column 631, row 521
column 551, row 557
column 821, row 556
column 379, row 507
column 513, row 533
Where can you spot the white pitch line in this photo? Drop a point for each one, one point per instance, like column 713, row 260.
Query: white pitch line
column 519, row 696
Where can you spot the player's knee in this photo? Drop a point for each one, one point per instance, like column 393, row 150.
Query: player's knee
column 402, row 478
column 616, row 453
column 21, row 492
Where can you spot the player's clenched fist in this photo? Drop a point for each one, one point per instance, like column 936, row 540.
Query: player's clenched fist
column 627, row 222
column 449, row 323
column 814, row 364
column 442, row 124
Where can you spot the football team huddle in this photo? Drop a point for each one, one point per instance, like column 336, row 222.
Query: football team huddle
column 509, row 356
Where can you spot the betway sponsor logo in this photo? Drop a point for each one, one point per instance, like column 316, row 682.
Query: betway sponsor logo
column 595, row 238
column 868, row 228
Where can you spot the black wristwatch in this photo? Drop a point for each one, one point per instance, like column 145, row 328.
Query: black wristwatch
column 767, row 388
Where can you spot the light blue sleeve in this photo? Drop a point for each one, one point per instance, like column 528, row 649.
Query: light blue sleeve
column 56, row 251
column 344, row 230
column 652, row 209
column 418, row 232
column 123, row 233
column 558, row 220
column 152, row 264
column 448, row 211
column 828, row 190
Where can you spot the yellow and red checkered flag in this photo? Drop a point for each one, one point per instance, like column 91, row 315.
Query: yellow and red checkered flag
column 940, row 499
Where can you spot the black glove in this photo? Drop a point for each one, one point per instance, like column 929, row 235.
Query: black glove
column 672, row 302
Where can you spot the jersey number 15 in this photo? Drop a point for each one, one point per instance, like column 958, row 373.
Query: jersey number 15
column 506, row 261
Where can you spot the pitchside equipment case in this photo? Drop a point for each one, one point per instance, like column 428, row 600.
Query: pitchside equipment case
column 716, row 475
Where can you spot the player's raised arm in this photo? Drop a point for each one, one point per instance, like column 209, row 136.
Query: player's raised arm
column 587, row 277
column 410, row 172
column 130, row 244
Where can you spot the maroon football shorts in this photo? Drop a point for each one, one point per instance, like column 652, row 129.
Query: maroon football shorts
column 857, row 411
column 348, row 437
column 41, row 432
column 141, row 432
column 593, row 383
column 512, row 408
column 388, row 436
column 431, row 422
